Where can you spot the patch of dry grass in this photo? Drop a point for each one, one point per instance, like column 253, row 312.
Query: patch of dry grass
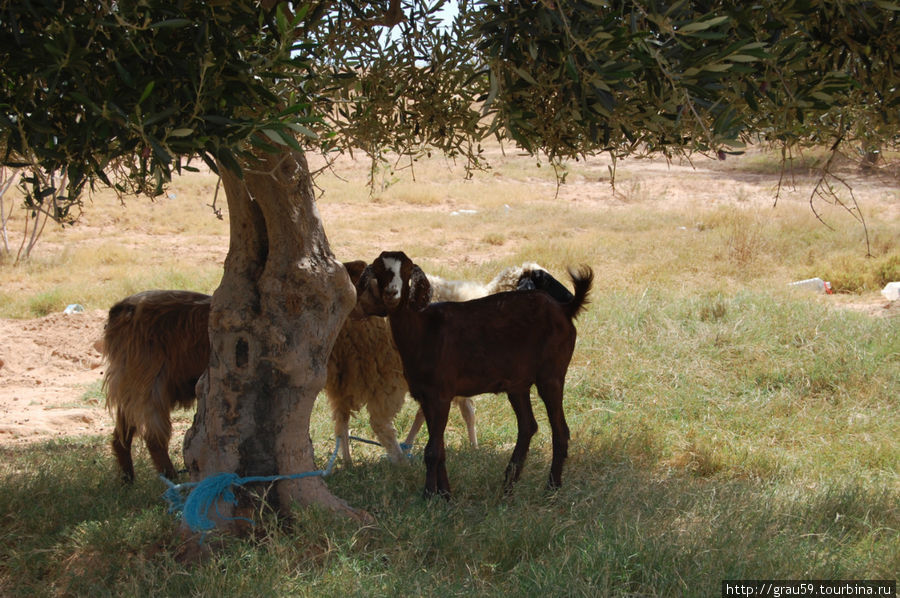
column 666, row 225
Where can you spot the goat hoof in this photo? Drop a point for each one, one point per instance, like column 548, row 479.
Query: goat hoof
column 508, row 487
column 511, row 476
column 429, row 494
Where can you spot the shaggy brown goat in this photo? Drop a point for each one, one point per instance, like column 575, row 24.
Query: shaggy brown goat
column 501, row 343
column 157, row 346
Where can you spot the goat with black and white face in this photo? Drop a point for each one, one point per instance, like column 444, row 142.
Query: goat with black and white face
column 501, row 343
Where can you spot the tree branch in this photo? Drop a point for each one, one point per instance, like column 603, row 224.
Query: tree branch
column 392, row 17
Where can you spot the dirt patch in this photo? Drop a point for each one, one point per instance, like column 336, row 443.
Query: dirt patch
column 48, row 368
column 874, row 306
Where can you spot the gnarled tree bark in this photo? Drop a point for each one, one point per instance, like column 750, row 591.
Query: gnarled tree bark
column 274, row 319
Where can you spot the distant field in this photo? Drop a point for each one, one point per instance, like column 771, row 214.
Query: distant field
column 719, row 226
column 724, row 425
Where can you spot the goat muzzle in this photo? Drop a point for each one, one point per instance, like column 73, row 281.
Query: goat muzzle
column 391, row 302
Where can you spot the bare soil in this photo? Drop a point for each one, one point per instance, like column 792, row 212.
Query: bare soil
column 47, row 367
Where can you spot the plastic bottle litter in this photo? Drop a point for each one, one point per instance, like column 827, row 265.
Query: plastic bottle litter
column 73, row 308
column 813, row 284
column 891, row 291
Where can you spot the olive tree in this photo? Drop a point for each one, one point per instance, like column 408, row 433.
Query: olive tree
column 125, row 93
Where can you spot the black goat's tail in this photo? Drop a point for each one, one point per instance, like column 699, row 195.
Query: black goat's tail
column 583, row 279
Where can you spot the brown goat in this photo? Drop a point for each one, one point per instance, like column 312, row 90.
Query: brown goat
column 364, row 368
column 501, row 343
column 157, row 346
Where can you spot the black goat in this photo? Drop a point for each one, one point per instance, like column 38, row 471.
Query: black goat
column 543, row 281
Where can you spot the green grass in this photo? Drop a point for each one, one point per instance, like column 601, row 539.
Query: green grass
column 723, row 426
column 715, row 437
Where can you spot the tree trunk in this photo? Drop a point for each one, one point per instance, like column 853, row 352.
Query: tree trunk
column 274, row 319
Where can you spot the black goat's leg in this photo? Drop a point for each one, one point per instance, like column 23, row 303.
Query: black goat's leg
column 436, row 481
column 521, row 404
column 552, row 395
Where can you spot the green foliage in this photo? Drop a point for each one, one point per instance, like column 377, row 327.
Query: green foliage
column 218, row 81
column 125, row 93
column 575, row 77
column 130, row 90
column 409, row 90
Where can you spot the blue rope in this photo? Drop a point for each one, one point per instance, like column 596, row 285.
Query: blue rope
column 208, row 492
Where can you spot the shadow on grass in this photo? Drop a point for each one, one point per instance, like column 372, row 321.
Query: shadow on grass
column 621, row 521
column 620, row 525
column 67, row 516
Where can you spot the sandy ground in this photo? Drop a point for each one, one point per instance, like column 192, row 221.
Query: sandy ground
column 47, row 367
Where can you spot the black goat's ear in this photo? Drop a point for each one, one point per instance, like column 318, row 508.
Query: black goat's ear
column 419, row 289
column 525, row 283
column 362, row 280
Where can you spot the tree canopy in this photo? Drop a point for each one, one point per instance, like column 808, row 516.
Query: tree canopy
column 666, row 76
column 126, row 92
